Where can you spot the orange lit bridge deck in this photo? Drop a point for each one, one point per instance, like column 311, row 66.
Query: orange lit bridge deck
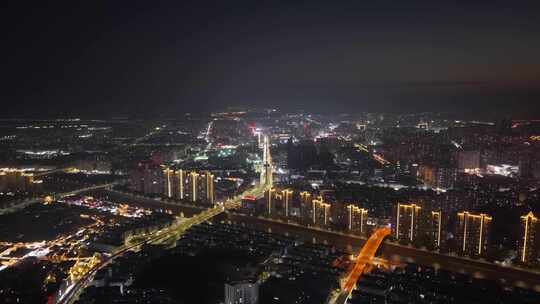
column 363, row 260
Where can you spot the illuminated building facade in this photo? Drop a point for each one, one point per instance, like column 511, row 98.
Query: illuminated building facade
column 278, row 202
column 286, row 199
column 435, row 229
column 197, row 186
column 193, row 185
column 528, row 246
column 306, row 207
column 407, row 222
column 305, row 198
column 209, row 187
column 269, row 198
column 168, row 176
column 357, row 219
column 321, row 212
column 171, row 183
column 472, row 233
column 201, row 187
column 180, row 183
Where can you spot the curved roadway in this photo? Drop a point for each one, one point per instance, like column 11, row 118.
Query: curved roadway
column 364, row 257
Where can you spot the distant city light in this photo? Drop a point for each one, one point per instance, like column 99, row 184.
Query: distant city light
column 504, row 170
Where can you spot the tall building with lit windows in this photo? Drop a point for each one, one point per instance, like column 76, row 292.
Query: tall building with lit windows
column 472, row 233
column 306, row 207
column 435, row 229
column 180, row 182
column 528, row 246
column 269, row 198
column 407, row 222
column 168, row 176
column 305, row 197
column 198, row 186
column 193, row 185
column 209, row 187
column 321, row 212
column 286, row 199
column 357, row 219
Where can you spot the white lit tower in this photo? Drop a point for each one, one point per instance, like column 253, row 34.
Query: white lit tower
column 267, row 168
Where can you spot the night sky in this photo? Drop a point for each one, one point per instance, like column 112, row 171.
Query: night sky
column 166, row 57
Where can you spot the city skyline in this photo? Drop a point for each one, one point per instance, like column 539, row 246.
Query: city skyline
column 369, row 193
column 283, row 152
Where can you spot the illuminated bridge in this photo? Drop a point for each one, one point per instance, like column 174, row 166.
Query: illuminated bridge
column 56, row 196
column 231, row 203
column 362, row 264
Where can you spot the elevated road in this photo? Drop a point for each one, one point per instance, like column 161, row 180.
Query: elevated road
column 70, row 293
column 86, row 189
column 170, row 236
column 59, row 195
column 363, row 260
column 63, row 169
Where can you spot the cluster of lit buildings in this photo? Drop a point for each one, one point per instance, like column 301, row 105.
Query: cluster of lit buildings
column 309, row 209
column 357, row 219
column 193, row 185
column 313, row 210
column 180, row 184
column 414, row 224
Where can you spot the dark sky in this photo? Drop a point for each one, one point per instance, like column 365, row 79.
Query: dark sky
column 92, row 57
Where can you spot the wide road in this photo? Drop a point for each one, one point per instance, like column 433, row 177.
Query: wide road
column 174, row 230
column 395, row 252
column 164, row 235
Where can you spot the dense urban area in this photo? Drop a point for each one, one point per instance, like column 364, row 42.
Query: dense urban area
column 265, row 206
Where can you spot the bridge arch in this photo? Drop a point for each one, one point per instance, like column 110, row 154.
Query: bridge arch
column 363, row 261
